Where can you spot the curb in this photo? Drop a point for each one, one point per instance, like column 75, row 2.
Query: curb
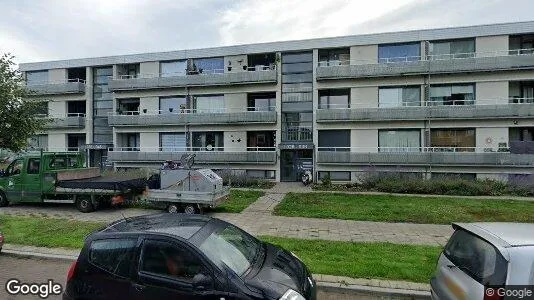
column 351, row 290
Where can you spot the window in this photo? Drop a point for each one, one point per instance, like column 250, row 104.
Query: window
column 259, row 62
column 129, row 70
column 452, row 49
column 453, row 140
column 453, row 176
column 113, row 255
column 399, row 140
column 165, row 259
column 206, row 65
column 335, row 175
column 42, row 108
column 76, row 108
column 233, row 248
column 332, row 99
column 75, row 141
column 398, row 97
column 261, row 140
column 263, row 174
column 33, row 165
column 209, row 104
column 36, row 77
column 208, row 141
column 15, row 167
column 297, row 126
column 76, row 74
column 128, row 106
column 460, row 94
column 334, row 57
column 399, row 52
column 334, row 140
column 173, row 68
column 130, row 141
column 261, row 101
column 39, row 141
column 172, row 142
column 170, row 105
column 477, row 258
column 525, row 134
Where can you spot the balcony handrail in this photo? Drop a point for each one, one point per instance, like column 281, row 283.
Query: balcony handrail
column 180, row 111
column 413, row 149
column 430, row 57
column 453, row 103
column 56, row 82
column 189, row 73
column 192, row 149
column 59, row 116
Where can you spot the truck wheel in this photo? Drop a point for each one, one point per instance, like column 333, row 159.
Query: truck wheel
column 3, row 200
column 84, row 205
column 172, row 208
column 191, row 209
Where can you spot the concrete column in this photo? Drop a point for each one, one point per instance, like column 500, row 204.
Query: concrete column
column 89, row 105
column 278, row 113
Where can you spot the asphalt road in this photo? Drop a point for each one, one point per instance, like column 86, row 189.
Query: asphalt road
column 40, row 270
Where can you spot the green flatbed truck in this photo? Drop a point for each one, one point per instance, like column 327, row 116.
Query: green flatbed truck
column 61, row 177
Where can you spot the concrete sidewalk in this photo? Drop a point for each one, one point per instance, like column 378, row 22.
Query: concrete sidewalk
column 378, row 287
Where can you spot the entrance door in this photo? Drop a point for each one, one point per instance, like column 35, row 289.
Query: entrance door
column 291, row 162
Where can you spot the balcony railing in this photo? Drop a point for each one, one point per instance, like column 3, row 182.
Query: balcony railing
column 424, row 156
column 456, row 109
column 194, row 117
column 302, row 133
column 71, row 86
column 416, row 65
column 252, row 155
column 183, row 79
column 70, row 120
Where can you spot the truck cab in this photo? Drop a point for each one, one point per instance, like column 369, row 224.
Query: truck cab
column 29, row 177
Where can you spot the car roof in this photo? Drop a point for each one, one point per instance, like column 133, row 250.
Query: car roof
column 179, row 225
column 502, row 234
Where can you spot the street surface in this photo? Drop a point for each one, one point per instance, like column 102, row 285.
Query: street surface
column 40, row 270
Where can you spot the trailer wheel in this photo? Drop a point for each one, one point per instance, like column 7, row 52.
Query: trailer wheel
column 84, row 205
column 191, row 209
column 172, row 208
column 3, row 199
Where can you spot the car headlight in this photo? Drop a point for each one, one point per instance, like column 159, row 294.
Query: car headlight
column 292, row 295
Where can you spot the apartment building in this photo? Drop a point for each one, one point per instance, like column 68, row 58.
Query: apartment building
column 440, row 102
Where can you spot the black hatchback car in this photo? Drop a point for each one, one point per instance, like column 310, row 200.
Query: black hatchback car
column 169, row 256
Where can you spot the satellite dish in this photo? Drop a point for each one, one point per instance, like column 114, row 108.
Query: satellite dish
column 209, row 147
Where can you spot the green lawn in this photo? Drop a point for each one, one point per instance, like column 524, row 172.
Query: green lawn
column 364, row 260
column 386, row 208
column 239, row 200
column 44, row 232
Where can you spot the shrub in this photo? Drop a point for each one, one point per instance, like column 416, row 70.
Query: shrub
column 326, row 181
column 243, row 181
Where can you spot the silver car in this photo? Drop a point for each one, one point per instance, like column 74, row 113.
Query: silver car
column 483, row 255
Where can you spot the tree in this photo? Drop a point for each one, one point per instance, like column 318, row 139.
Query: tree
column 18, row 112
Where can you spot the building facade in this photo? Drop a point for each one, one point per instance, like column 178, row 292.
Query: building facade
column 439, row 102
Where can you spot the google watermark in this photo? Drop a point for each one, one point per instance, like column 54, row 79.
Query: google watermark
column 42, row 290
column 511, row 292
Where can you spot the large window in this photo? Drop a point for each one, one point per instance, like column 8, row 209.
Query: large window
column 334, row 140
column 261, row 140
column 460, row 94
column 39, row 141
column 209, row 104
column 453, row 140
column 172, row 142
column 206, row 65
column 170, row 105
column 452, row 49
column 76, row 107
column 297, row 126
column 36, row 77
column 334, row 57
column 399, row 96
column 399, row 140
column 399, row 52
column 173, row 68
column 128, row 106
column 261, row 101
column 331, row 99
column 335, row 175
column 208, row 141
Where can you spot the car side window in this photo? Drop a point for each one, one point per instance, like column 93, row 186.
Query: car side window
column 33, row 165
column 477, row 258
column 166, row 259
column 113, row 255
column 15, row 167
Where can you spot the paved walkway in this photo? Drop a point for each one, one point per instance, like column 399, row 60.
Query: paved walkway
column 258, row 220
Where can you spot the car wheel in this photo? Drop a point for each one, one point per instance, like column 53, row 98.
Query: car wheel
column 172, row 208
column 84, row 205
column 191, row 209
column 3, row 200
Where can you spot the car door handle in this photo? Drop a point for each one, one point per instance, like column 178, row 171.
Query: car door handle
column 138, row 287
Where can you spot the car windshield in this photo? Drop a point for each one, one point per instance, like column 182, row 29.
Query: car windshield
column 232, row 247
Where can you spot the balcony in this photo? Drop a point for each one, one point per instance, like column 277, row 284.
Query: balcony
column 192, row 117
column 71, row 86
column 214, row 78
column 69, row 121
column 480, row 109
column 423, row 156
column 155, row 155
column 434, row 64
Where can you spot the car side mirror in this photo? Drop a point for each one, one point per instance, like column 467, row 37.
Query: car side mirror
column 202, row 282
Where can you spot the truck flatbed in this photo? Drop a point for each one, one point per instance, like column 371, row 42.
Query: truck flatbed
column 114, row 183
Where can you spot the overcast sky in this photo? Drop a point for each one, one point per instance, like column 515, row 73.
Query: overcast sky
column 61, row 29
